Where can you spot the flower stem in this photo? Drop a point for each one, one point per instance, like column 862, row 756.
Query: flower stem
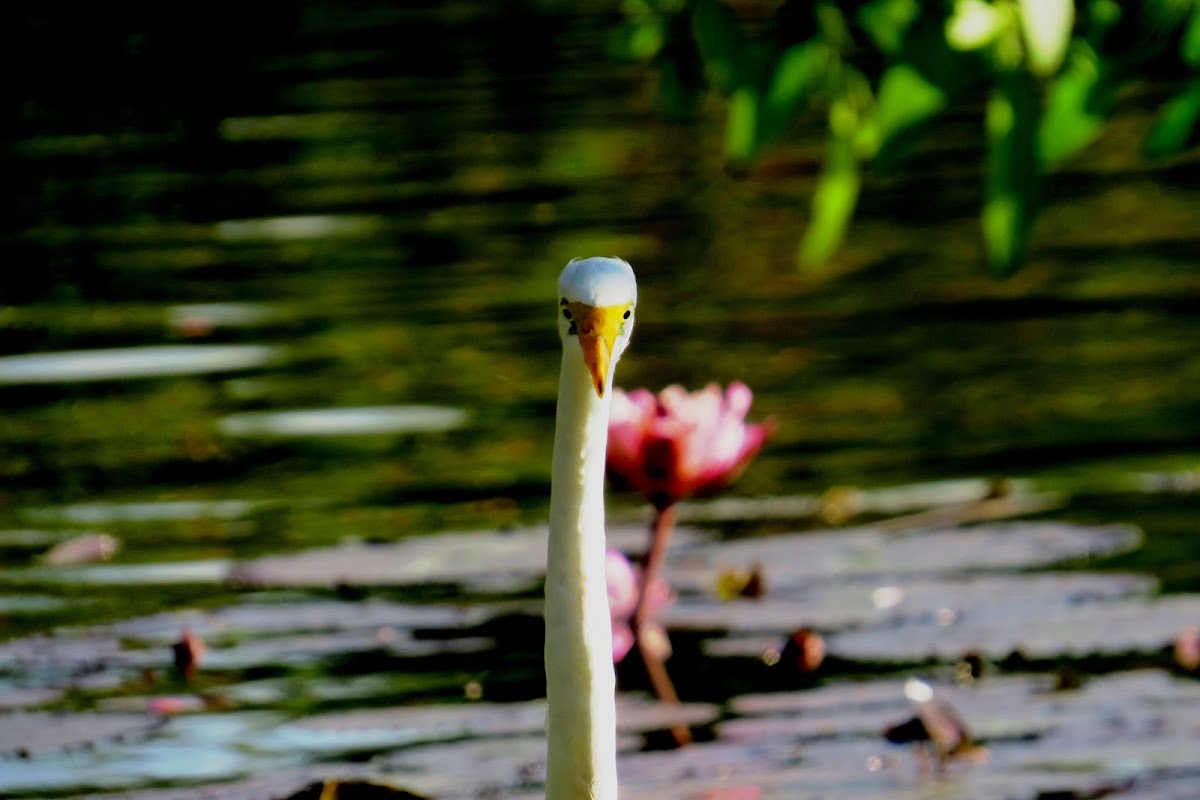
column 656, row 668
column 660, row 537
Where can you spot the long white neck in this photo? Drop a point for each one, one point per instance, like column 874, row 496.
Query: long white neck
column 580, row 683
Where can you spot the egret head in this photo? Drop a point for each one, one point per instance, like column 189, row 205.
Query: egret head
column 596, row 300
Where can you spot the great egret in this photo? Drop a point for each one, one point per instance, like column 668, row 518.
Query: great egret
column 596, row 300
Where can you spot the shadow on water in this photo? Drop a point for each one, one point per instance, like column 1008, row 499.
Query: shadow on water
column 274, row 307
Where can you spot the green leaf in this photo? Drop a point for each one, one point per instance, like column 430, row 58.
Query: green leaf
column 834, row 198
column 1176, row 127
column 1046, row 27
column 887, row 21
column 789, row 85
column 974, row 24
column 904, row 100
column 1012, row 170
column 1077, row 103
column 1189, row 46
column 720, row 41
column 741, row 130
column 917, row 84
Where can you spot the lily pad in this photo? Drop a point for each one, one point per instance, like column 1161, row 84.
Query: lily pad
column 29, row 733
column 1121, row 626
column 301, row 227
column 496, row 561
column 25, row 697
column 889, row 500
column 77, row 366
column 498, row 764
column 792, row 559
column 167, row 572
column 267, row 692
column 939, row 601
column 156, row 511
column 189, row 748
column 30, row 603
column 304, row 649
column 394, row 727
column 31, row 539
column 343, row 421
column 67, row 659
column 1116, row 730
column 279, row 782
column 309, row 616
column 203, row 318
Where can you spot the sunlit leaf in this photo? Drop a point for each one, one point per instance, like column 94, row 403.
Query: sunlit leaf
column 1176, row 127
column 789, row 86
column 741, row 130
column 831, row 23
column 915, row 86
column 886, row 22
column 1189, row 47
column 905, row 99
column 1012, row 170
column 1046, row 27
column 1077, row 103
column 646, row 39
column 973, row 24
column 833, row 200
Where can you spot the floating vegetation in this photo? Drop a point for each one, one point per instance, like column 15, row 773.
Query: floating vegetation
column 155, row 511
column 938, row 602
column 25, row 733
column 406, row 725
column 797, row 559
column 202, row 319
column 1130, row 625
column 298, row 228
column 180, row 572
column 343, row 421
column 133, row 362
column 31, row 603
column 492, row 561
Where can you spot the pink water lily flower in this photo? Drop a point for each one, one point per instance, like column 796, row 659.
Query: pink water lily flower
column 679, row 444
column 624, row 585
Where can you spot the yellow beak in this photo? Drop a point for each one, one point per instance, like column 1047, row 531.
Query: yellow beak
column 597, row 328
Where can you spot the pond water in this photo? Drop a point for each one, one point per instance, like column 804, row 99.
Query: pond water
column 282, row 310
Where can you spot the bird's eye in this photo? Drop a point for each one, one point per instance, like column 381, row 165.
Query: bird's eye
column 627, row 313
column 567, row 313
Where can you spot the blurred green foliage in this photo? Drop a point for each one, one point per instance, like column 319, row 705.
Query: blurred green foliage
column 1045, row 72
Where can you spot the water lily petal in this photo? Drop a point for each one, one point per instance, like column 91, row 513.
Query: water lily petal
column 622, row 585
column 679, row 443
column 622, row 640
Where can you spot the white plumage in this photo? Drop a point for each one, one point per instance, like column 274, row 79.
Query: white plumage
column 596, row 301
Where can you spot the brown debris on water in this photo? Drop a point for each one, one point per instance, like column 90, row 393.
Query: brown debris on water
column 738, row 584
column 188, row 653
column 1187, row 648
column 938, row 733
column 351, row 790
